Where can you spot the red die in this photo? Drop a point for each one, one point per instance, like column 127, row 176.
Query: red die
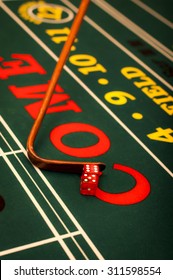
column 89, row 179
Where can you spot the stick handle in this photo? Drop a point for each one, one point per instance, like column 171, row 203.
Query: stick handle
column 57, row 71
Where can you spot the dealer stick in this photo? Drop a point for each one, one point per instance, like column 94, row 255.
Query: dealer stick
column 56, row 165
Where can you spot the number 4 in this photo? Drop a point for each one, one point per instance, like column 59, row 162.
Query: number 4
column 158, row 271
column 162, row 134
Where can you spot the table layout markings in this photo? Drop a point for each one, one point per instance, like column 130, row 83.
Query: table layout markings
column 70, row 215
column 13, row 153
column 3, row 154
column 57, row 197
column 37, row 186
column 119, row 45
column 91, row 93
column 153, row 13
column 38, row 207
column 134, row 28
column 33, row 245
column 94, row 25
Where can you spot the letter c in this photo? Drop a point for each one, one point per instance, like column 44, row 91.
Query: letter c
column 138, row 193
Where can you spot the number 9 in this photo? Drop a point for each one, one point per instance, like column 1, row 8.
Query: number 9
column 118, row 97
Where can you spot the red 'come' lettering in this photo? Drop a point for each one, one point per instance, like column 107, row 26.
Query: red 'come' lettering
column 34, row 108
column 32, row 92
column 38, row 91
column 101, row 147
column 138, row 193
column 22, row 64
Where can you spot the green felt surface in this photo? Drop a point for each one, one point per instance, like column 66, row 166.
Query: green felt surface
column 45, row 216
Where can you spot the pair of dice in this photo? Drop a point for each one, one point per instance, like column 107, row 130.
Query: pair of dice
column 89, row 179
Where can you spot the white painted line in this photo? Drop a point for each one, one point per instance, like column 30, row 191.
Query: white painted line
column 12, row 153
column 50, row 205
column 36, row 244
column 38, row 207
column 45, row 198
column 28, row 246
column 60, row 201
column 153, row 13
column 134, row 28
column 36, row 185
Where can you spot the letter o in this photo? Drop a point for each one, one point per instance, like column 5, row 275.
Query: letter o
column 101, row 147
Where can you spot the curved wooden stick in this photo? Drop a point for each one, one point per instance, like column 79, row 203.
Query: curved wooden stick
column 56, row 165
